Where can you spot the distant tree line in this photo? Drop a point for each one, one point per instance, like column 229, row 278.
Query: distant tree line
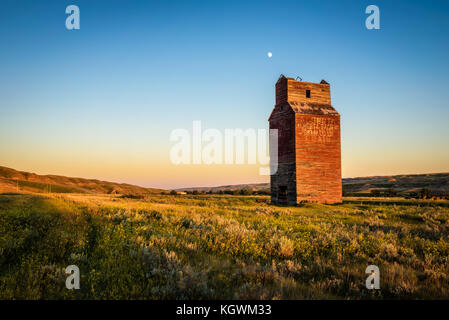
column 429, row 194
column 387, row 193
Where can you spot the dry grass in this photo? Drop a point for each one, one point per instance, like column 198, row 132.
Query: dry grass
column 219, row 247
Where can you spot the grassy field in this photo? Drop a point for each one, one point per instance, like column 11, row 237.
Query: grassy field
column 220, row 247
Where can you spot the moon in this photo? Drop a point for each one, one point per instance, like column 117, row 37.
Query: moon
column 269, row 54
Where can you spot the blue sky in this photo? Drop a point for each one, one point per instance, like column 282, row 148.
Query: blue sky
column 101, row 101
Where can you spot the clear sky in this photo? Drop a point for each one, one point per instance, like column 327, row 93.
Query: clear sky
column 100, row 102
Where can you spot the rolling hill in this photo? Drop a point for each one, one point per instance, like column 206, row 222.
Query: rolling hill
column 401, row 183
column 13, row 181
column 232, row 187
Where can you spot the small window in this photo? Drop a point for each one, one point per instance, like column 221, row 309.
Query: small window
column 307, row 93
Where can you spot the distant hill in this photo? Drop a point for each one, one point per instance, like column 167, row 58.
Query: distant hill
column 401, row 183
column 251, row 186
column 12, row 180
